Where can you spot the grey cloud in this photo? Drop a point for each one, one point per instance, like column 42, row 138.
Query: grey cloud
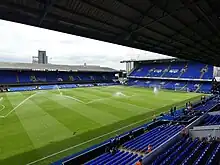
column 21, row 42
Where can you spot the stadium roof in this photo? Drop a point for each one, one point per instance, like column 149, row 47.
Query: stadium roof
column 181, row 28
column 153, row 60
column 51, row 67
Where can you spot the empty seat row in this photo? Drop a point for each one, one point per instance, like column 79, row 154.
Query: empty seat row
column 214, row 156
column 187, row 151
column 212, row 120
column 154, row 138
column 47, row 87
column 119, row 158
column 13, row 77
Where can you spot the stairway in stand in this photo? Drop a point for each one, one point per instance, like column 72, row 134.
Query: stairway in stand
column 202, row 74
column 33, row 78
column 184, row 86
column 71, row 78
column 180, row 75
column 185, row 67
column 198, row 88
column 203, row 71
column 166, row 70
column 92, row 78
column 17, row 78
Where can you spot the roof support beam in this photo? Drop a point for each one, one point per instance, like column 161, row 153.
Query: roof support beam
column 47, row 8
column 139, row 21
column 59, row 7
column 198, row 12
column 52, row 17
column 88, row 17
column 203, row 17
column 93, row 20
column 129, row 20
column 176, row 32
column 187, row 26
column 164, row 16
column 71, row 23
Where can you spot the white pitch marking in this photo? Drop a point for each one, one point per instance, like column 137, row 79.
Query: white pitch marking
column 18, row 105
column 73, row 98
column 95, row 100
column 80, row 144
column 3, row 107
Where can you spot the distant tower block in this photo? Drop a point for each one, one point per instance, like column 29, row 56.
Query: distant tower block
column 41, row 58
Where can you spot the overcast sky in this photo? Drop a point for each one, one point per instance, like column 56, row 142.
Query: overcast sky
column 20, row 42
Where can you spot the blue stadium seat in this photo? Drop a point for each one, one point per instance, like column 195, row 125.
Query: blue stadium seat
column 13, row 77
column 181, row 76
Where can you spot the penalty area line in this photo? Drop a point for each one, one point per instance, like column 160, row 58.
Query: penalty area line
column 73, row 98
column 92, row 101
column 106, row 98
column 21, row 103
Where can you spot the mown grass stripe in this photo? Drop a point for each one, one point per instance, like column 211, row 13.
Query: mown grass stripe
column 53, row 108
column 121, row 124
column 39, row 125
column 14, row 138
column 97, row 115
column 63, row 113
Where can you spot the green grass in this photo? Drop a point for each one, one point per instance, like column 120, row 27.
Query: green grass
column 45, row 122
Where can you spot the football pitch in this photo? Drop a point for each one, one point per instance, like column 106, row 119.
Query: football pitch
column 39, row 127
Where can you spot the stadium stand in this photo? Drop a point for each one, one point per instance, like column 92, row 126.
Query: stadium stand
column 174, row 35
column 176, row 75
column 26, row 77
column 37, row 76
column 192, row 70
column 154, row 137
column 212, row 120
column 169, row 146
column 120, row 157
column 188, row 151
column 157, row 133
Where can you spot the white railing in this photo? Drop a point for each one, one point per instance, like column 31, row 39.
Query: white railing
column 169, row 78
